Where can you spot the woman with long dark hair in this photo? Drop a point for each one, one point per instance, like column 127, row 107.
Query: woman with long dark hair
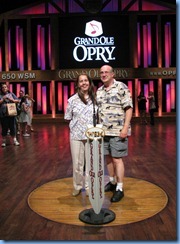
column 80, row 113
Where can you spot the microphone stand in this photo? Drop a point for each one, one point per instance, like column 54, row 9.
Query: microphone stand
column 94, row 115
column 95, row 162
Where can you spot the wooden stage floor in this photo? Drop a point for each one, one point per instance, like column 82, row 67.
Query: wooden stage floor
column 45, row 157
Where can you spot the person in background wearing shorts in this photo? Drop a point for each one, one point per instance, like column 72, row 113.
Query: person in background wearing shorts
column 115, row 109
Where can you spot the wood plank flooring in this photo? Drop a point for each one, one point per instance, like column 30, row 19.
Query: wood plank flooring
column 54, row 203
column 45, row 157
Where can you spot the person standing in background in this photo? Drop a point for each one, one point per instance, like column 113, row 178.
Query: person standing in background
column 30, row 101
column 21, row 95
column 24, row 119
column 7, row 122
column 79, row 112
column 142, row 107
column 115, row 112
column 152, row 106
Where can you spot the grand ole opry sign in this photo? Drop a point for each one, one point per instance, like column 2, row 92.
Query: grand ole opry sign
column 71, row 74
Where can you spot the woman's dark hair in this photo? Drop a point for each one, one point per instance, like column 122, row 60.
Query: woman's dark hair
column 91, row 90
column 23, row 99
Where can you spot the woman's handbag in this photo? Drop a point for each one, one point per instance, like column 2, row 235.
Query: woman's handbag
column 11, row 109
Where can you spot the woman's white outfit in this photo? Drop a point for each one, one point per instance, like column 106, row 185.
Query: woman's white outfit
column 80, row 115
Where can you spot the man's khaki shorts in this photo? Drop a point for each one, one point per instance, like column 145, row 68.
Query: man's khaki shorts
column 115, row 146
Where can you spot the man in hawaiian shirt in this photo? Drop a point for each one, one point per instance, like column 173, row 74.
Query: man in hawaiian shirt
column 115, row 112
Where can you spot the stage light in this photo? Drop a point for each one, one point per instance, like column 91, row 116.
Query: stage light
column 92, row 6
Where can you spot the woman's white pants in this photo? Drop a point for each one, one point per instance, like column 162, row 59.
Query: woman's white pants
column 78, row 153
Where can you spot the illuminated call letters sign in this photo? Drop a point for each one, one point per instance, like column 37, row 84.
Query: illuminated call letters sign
column 94, row 47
